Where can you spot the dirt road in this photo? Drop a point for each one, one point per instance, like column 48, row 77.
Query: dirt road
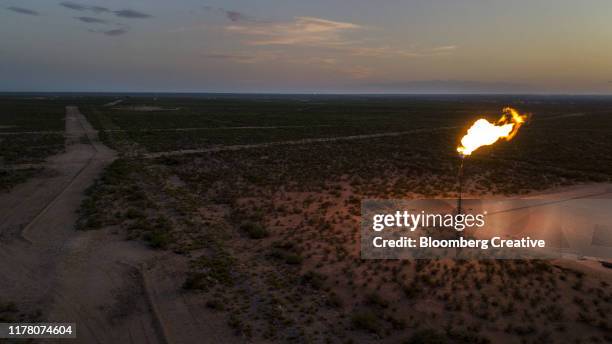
column 293, row 142
column 59, row 274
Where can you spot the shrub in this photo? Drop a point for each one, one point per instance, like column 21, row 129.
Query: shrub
column 133, row 213
column 375, row 299
column 313, row 279
column 293, row 258
column 215, row 304
column 8, row 307
column 334, row 300
column 427, row 336
column 365, row 320
column 195, row 281
column 288, row 257
column 254, row 230
column 158, row 239
column 210, row 270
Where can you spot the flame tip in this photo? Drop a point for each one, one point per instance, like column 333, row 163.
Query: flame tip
column 484, row 133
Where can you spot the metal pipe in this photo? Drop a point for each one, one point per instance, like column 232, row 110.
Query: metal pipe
column 460, row 184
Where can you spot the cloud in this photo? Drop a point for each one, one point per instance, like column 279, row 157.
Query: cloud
column 391, row 51
column 332, row 40
column 328, row 34
column 120, row 29
column 131, row 14
column 22, row 10
column 444, row 48
column 240, row 58
column 91, row 20
column 233, row 16
column 115, row 32
column 112, row 32
column 228, row 57
column 81, row 7
column 301, row 31
column 124, row 13
column 73, row 6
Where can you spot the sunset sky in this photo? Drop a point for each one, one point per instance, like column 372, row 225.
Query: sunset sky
column 421, row 46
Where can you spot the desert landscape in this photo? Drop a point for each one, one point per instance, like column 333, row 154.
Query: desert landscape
column 235, row 218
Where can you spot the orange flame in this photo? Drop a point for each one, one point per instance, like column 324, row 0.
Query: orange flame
column 484, row 133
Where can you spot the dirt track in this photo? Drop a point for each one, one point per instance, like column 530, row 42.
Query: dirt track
column 293, row 142
column 91, row 278
column 116, row 291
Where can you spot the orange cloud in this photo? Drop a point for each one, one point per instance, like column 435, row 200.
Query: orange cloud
column 301, row 31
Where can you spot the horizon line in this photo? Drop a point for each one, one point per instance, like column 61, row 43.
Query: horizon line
column 338, row 93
